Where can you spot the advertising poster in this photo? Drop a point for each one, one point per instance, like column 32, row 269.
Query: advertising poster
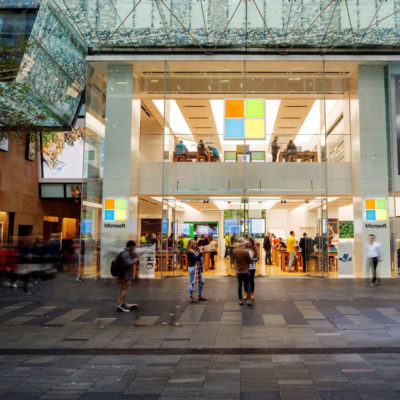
column 62, row 154
column 147, row 264
column 345, row 259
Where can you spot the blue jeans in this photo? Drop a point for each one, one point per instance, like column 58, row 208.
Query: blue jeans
column 191, row 271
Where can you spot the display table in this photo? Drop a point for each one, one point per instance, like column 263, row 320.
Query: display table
column 303, row 156
column 192, row 155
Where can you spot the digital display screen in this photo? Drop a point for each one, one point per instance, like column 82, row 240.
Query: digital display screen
column 62, row 154
column 205, row 228
column 232, row 226
column 257, row 226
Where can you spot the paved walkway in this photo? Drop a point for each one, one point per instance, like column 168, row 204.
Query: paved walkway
column 302, row 339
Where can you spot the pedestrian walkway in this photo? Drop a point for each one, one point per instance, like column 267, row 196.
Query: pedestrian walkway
column 302, row 339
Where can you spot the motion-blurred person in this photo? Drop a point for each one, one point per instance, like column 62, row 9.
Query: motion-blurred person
column 243, row 260
column 307, row 247
column 374, row 253
column 128, row 259
column 274, row 148
column 291, row 248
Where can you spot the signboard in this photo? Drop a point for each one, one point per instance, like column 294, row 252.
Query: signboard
column 147, row 263
column 345, row 259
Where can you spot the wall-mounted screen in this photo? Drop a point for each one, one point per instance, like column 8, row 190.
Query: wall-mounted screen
column 202, row 228
column 257, row 226
column 232, row 226
column 62, row 154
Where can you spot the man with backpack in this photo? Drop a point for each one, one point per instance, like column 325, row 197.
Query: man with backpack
column 123, row 268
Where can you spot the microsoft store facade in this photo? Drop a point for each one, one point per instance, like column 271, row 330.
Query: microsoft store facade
column 321, row 74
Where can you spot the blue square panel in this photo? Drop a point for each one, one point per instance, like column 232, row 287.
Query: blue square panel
column 109, row 215
column 370, row 215
column 234, row 128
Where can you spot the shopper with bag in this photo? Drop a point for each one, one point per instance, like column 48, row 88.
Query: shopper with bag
column 123, row 269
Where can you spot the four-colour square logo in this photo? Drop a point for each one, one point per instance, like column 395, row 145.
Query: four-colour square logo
column 244, row 118
column 115, row 210
column 375, row 209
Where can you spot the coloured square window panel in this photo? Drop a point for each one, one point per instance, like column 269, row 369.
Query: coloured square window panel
column 109, row 204
column 370, row 204
column 370, row 215
column 234, row 108
column 109, row 215
column 380, row 204
column 120, row 204
column 381, row 215
column 255, row 108
column 234, row 128
column 255, row 129
column 120, row 215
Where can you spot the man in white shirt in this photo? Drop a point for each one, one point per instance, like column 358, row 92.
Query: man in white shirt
column 374, row 252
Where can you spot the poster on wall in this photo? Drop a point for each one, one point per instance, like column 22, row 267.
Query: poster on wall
column 345, row 259
column 147, row 261
column 62, row 154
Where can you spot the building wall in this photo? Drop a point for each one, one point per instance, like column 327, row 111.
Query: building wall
column 19, row 191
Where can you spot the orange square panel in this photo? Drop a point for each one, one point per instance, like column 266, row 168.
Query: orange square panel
column 109, row 204
column 370, row 204
column 234, row 108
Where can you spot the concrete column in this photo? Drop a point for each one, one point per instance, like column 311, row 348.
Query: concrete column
column 370, row 169
column 121, row 150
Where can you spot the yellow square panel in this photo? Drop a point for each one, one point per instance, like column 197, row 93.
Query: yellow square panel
column 381, row 215
column 254, row 129
column 120, row 215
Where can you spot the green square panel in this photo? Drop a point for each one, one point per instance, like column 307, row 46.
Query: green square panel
column 120, row 204
column 230, row 155
column 381, row 204
column 255, row 108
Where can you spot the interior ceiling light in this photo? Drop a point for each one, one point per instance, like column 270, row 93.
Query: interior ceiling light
column 176, row 119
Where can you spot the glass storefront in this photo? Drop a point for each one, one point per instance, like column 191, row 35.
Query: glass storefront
column 184, row 148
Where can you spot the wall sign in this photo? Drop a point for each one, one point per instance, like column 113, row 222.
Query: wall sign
column 375, row 209
column 345, row 259
column 115, row 214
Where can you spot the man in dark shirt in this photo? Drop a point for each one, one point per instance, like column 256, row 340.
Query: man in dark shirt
column 243, row 260
column 203, row 241
column 274, row 148
column 267, row 245
column 307, row 247
column 129, row 259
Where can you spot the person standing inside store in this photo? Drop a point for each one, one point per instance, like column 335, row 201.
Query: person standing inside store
column 252, row 269
column 291, row 248
column 242, row 259
column 201, row 148
column 195, row 266
column 202, row 241
column 291, row 149
column 128, row 259
column 374, row 252
column 267, row 245
column 180, row 149
column 307, row 246
column 213, row 249
column 274, row 149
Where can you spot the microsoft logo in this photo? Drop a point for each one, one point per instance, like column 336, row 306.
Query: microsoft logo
column 115, row 210
column 375, row 210
column 245, row 119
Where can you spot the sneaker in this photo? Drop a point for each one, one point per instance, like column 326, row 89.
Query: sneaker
column 372, row 284
column 131, row 306
column 122, row 308
column 240, row 302
column 78, row 279
column 201, row 298
column 249, row 302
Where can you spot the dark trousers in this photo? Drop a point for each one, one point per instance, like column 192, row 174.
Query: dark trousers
column 212, row 255
column 374, row 264
column 274, row 155
column 304, row 261
column 268, row 257
column 252, row 272
column 243, row 280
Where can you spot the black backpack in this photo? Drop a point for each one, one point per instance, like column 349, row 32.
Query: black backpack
column 117, row 267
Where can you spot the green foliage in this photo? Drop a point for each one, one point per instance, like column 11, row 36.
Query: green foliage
column 346, row 229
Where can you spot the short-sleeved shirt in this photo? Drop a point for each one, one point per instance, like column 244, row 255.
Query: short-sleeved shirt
column 215, row 152
column 290, row 244
column 180, row 148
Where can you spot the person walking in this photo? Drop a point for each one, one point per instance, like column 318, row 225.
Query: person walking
column 374, row 252
column 195, row 269
column 213, row 248
column 291, row 248
column 274, row 149
column 307, row 246
column 242, row 260
column 128, row 261
column 267, row 245
column 252, row 268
